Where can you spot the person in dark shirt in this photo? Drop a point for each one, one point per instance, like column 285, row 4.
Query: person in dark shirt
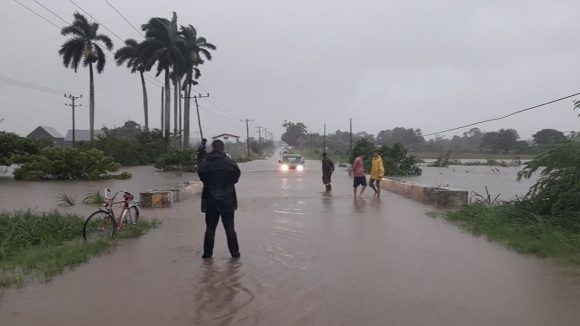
column 327, row 169
column 201, row 151
column 219, row 174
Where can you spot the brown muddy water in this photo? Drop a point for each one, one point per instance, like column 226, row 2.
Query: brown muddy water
column 308, row 258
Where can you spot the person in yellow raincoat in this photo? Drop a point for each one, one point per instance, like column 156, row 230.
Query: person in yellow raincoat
column 377, row 173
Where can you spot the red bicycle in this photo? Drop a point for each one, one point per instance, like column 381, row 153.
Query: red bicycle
column 103, row 223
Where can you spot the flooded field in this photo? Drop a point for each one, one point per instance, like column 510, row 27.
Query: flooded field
column 309, row 257
column 499, row 180
column 43, row 195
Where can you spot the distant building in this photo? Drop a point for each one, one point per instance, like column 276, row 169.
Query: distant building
column 80, row 136
column 226, row 138
column 47, row 135
column 232, row 144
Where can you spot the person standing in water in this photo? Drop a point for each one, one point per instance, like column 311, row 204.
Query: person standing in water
column 327, row 169
column 219, row 174
column 377, row 173
column 358, row 172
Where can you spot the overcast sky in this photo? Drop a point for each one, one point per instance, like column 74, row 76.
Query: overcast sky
column 423, row 64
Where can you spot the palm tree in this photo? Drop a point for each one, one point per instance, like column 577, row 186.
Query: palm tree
column 163, row 46
column 131, row 54
column 84, row 44
column 197, row 49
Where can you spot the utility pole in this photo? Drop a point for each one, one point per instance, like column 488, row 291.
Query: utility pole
column 350, row 136
column 259, row 141
column 196, row 97
column 248, row 136
column 324, row 140
column 73, row 105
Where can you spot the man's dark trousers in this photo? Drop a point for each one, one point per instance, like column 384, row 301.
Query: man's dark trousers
column 211, row 222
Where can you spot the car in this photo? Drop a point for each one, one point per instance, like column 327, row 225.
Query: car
column 291, row 162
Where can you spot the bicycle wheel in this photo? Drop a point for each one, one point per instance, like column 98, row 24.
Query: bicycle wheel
column 132, row 215
column 99, row 225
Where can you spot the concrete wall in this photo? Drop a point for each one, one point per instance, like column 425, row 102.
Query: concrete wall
column 436, row 196
column 164, row 198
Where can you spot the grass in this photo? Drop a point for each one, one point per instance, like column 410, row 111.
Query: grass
column 66, row 199
column 94, row 198
column 520, row 230
column 41, row 245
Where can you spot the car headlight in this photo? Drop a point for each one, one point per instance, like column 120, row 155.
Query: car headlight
column 284, row 167
column 300, row 168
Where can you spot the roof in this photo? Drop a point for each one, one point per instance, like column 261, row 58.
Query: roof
column 50, row 130
column 82, row 135
column 225, row 135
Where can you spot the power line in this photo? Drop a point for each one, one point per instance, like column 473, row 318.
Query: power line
column 37, row 14
column 125, row 19
column 18, row 83
column 98, row 22
column 52, row 12
column 504, row 116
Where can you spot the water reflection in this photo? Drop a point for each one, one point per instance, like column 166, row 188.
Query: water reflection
column 221, row 294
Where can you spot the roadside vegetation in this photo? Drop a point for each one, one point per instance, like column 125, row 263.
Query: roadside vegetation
column 546, row 221
column 40, row 245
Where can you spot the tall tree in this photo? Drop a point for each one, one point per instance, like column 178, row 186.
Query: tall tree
column 131, row 54
column 85, row 45
column 163, row 46
column 197, row 50
column 548, row 136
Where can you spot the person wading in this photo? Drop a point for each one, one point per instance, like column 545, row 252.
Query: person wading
column 327, row 169
column 219, row 174
column 358, row 172
column 201, row 151
column 377, row 173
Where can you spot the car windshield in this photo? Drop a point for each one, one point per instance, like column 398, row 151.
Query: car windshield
column 292, row 158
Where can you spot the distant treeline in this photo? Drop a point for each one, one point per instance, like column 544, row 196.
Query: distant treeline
column 475, row 140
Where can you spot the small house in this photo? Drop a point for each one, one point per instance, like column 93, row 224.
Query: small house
column 47, row 135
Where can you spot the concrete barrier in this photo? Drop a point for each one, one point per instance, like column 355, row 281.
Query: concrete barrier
column 436, row 196
column 164, row 198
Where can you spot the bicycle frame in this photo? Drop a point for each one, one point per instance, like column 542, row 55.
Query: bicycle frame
column 110, row 202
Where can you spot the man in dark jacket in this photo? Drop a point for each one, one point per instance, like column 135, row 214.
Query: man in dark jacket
column 201, row 151
column 219, row 174
column 327, row 169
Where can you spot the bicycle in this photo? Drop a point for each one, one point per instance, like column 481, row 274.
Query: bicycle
column 103, row 223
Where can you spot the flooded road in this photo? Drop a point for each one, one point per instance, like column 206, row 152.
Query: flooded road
column 308, row 258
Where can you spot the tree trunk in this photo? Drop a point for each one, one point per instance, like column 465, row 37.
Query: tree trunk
column 91, row 103
column 175, row 104
column 180, row 114
column 145, row 104
column 167, row 104
column 186, row 111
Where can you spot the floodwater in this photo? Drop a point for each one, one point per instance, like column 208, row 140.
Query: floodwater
column 43, row 195
column 308, row 258
column 498, row 180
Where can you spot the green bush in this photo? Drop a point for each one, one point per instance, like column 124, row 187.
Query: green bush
column 178, row 160
column 12, row 145
column 64, row 163
column 138, row 148
column 557, row 191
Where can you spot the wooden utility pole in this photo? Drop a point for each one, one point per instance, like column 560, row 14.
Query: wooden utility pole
column 259, row 141
column 350, row 136
column 73, row 105
column 324, row 140
column 196, row 97
column 248, row 136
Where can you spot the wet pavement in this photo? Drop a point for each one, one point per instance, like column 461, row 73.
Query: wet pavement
column 308, row 258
